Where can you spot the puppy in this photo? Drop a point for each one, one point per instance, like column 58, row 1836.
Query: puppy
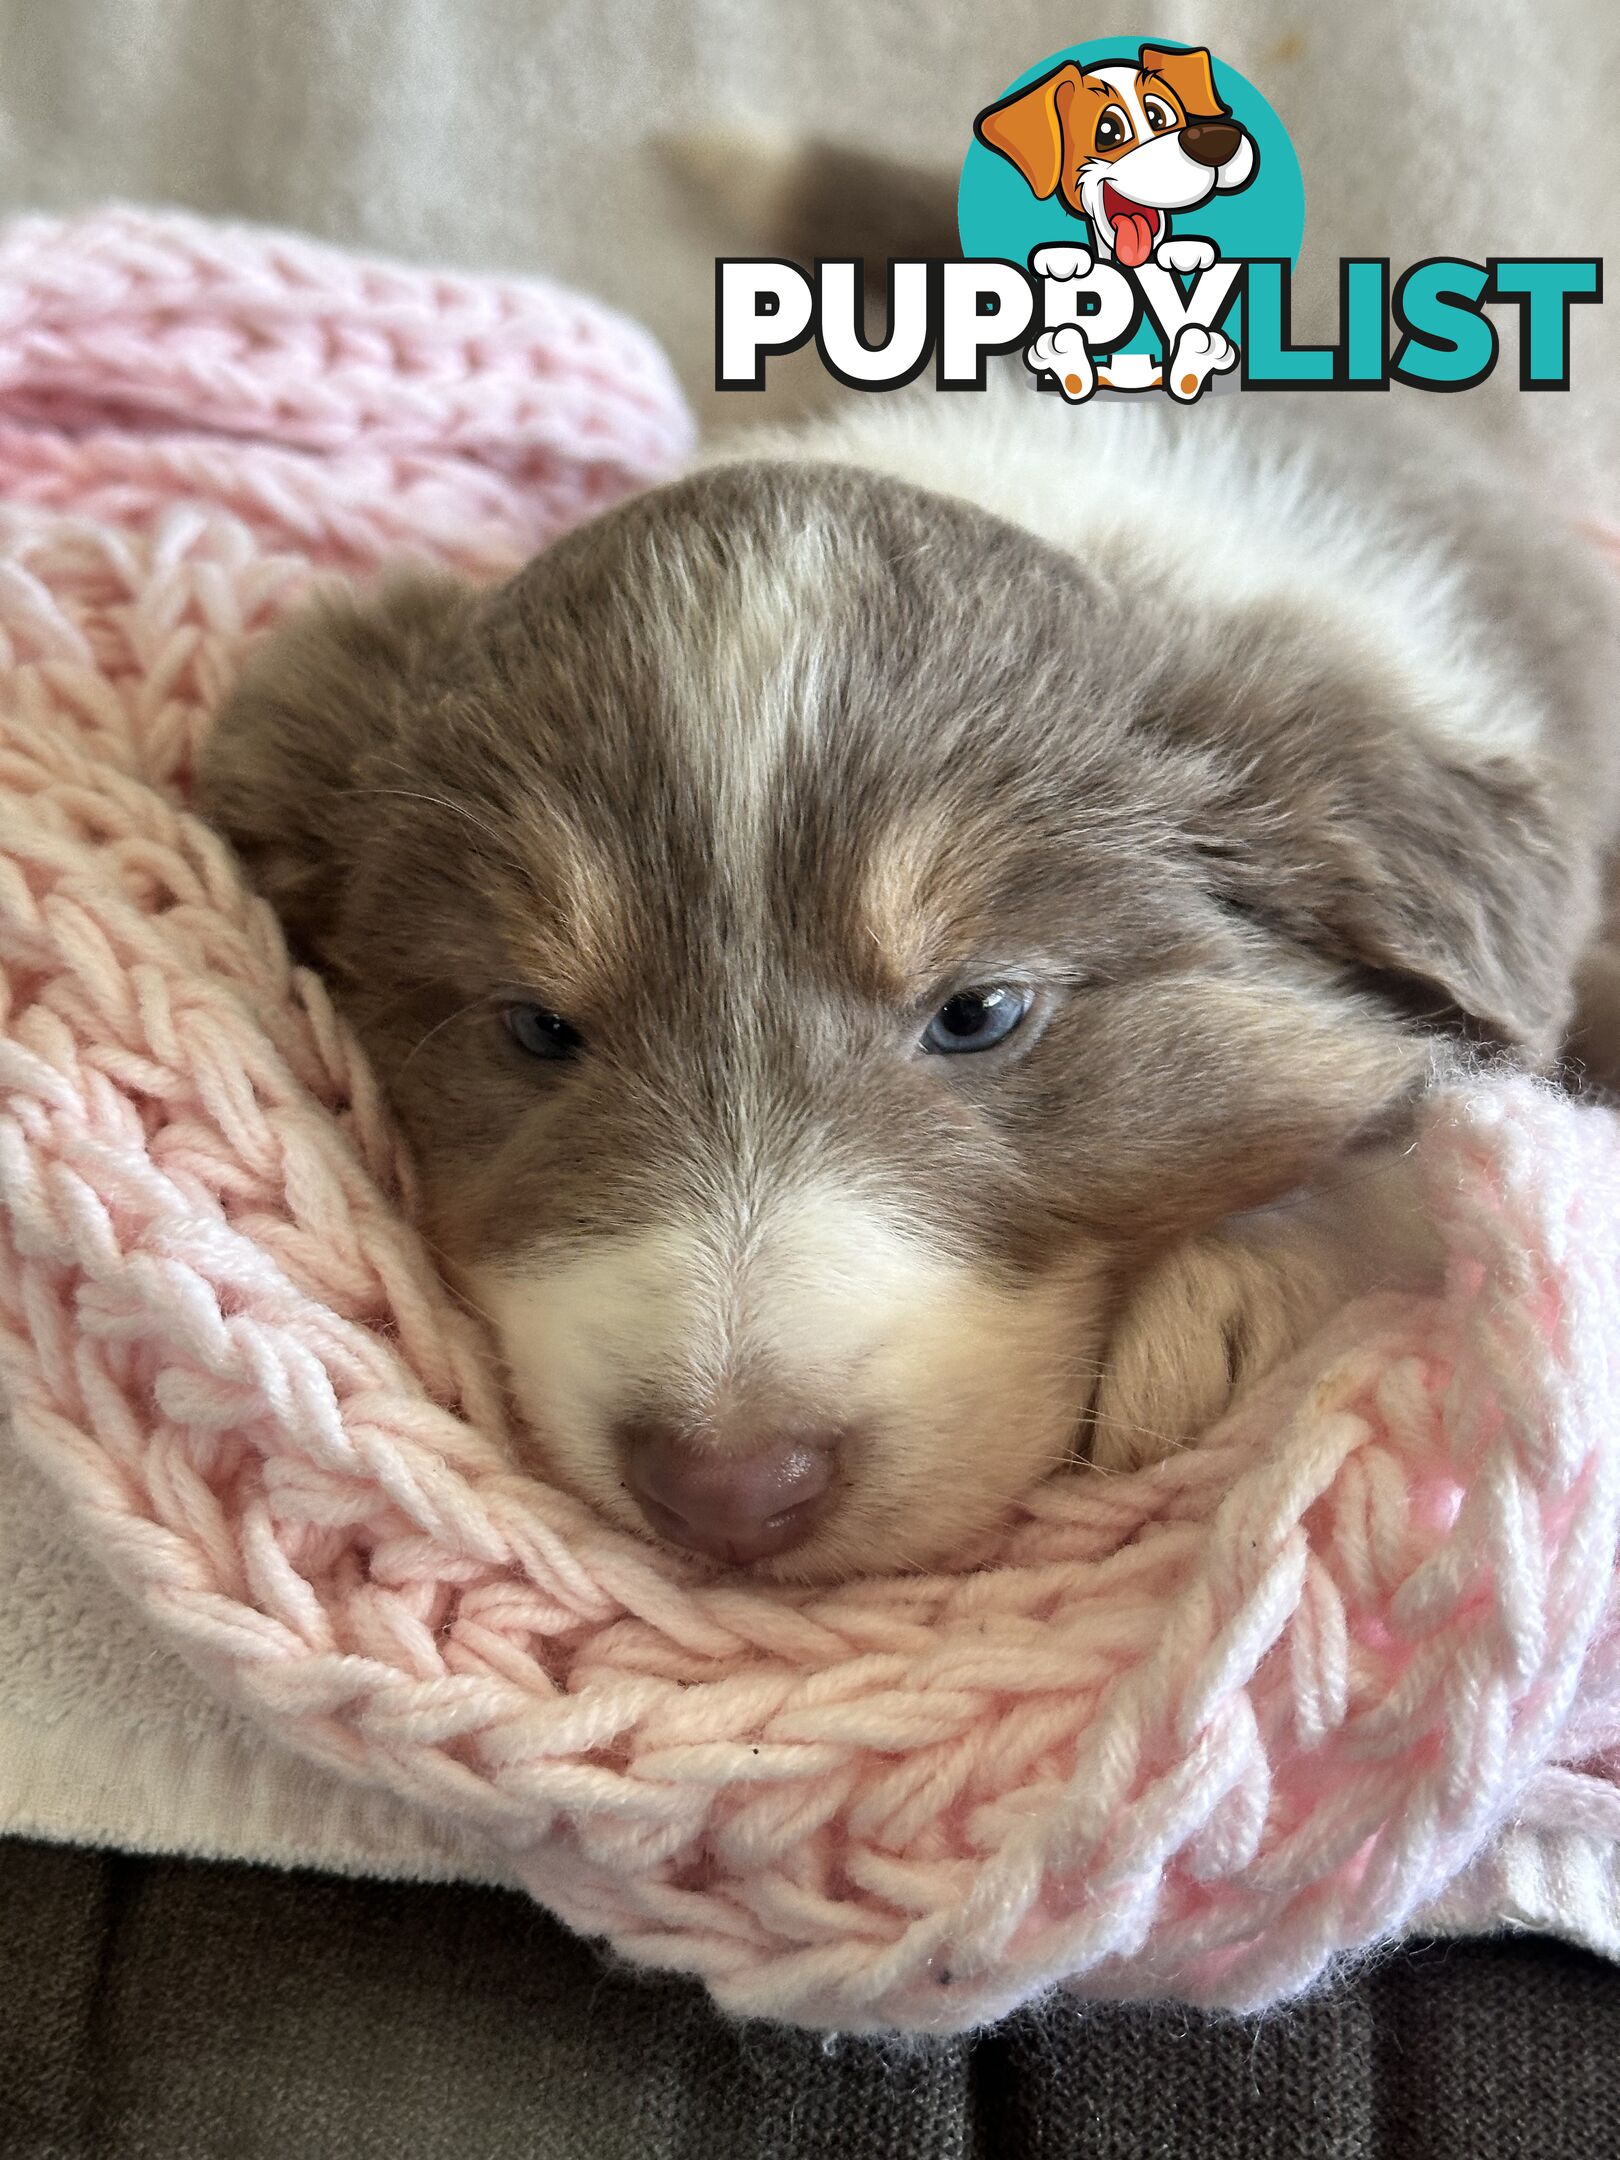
column 1123, row 143
column 907, row 957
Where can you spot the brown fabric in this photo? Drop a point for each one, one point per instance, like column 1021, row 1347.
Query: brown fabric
column 175, row 2010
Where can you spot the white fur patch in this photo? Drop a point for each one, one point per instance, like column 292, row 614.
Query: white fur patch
column 755, row 691
column 1224, row 522
column 959, row 1389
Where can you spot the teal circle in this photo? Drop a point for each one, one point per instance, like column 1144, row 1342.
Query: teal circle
column 998, row 216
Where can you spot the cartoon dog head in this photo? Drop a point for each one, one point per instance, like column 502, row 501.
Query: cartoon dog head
column 1124, row 143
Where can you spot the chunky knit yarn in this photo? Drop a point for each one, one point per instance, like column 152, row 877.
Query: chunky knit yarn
column 1196, row 1731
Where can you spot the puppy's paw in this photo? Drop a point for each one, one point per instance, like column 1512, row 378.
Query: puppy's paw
column 1187, row 256
column 1203, row 1326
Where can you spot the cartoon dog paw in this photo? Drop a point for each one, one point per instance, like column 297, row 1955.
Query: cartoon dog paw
column 1187, row 255
column 1197, row 355
column 1061, row 263
column 1064, row 353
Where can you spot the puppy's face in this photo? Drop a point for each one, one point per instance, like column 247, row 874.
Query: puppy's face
column 820, row 942
column 1123, row 144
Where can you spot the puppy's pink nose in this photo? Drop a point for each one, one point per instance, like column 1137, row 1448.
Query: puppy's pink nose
column 731, row 1505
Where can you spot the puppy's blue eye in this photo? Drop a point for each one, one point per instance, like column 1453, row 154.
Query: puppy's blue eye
column 977, row 1019
column 542, row 1034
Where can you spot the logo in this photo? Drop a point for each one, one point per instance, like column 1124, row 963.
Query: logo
column 1139, row 163
column 1123, row 144
column 1131, row 214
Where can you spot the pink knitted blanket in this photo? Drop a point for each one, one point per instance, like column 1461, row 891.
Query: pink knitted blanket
column 1195, row 1732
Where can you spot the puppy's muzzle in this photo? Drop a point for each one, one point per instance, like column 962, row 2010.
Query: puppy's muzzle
column 1211, row 142
column 730, row 1505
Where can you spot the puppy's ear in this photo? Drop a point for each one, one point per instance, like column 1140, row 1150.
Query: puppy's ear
column 1437, row 877
column 1189, row 75
column 291, row 771
column 1028, row 128
column 1455, row 897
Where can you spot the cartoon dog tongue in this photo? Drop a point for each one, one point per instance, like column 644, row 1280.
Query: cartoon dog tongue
column 1134, row 228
